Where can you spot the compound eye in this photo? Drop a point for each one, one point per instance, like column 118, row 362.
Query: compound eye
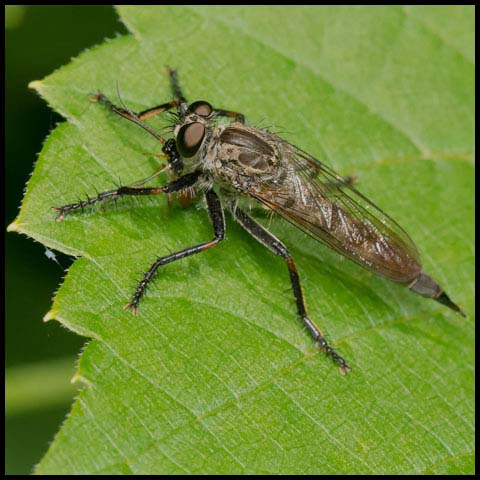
column 202, row 108
column 189, row 139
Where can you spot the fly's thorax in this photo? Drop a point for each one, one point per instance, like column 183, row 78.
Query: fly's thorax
column 241, row 158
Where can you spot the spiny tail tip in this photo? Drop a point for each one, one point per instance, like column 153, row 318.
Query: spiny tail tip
column 444, row 299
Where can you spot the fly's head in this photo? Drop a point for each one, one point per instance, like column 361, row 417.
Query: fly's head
column 192, row 127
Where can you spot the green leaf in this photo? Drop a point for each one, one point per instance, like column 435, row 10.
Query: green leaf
column 216, row 374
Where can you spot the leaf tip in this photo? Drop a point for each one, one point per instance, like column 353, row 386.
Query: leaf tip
column 36, row 85
column 13, row 227
column 49, row 316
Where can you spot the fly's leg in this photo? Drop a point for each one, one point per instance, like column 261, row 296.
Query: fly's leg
column 169, row 147
column 215, row 212
column 177, row 91
column 239, row 117
column 133, row 116
column 180, row 184
column 277, row 247
column 178, row 101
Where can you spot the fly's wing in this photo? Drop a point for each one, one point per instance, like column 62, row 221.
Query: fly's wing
column 314, row 198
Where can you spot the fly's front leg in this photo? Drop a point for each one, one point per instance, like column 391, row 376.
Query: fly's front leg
column 239, row 117
column 177, row 91
column 132, row 116
column 186, row 181
column 215, row 212
column 277, row 247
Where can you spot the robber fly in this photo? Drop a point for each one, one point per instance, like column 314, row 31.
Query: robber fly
column 233, row 160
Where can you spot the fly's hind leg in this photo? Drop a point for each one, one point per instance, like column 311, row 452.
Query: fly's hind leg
column 277, row 247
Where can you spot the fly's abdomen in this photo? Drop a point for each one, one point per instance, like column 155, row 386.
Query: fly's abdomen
column 384, row 253
column 355, row 236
